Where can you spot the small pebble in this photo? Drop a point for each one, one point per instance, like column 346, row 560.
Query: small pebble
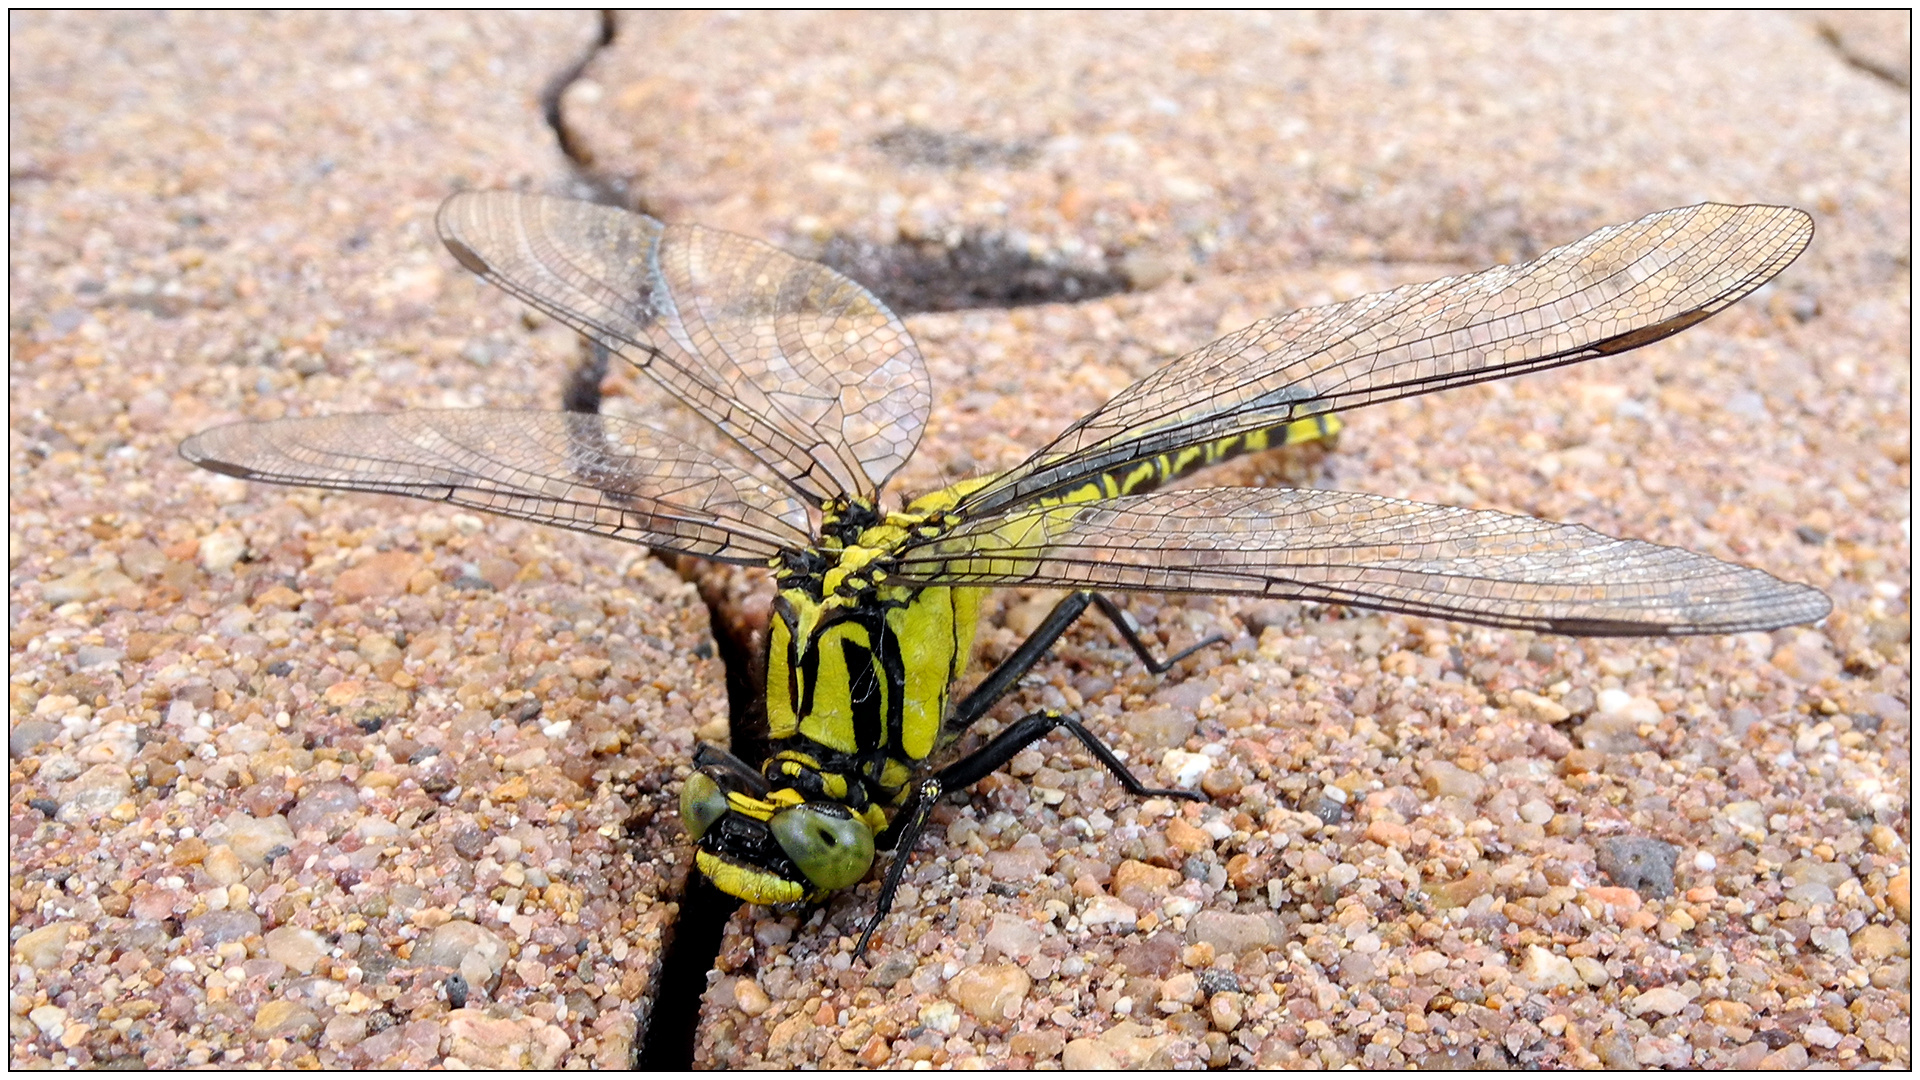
column 1640, row 863
column 84, row 585
column 42, row 949
column 1461, row 892
column 1389, row 834
column 95, row 792
column 382, row 575
column 1027, row 860
column 285, row 1020
column 220, row 549
column 750, row 998
column 92, row 656
column 1107, row 911
column 50, row 1019
column 487, row 1042
column 1792, row 1056
column 224, row 925
column 1141, row 885
column 1541, row 708
column 1878, row 941
column 252, row 838
column 1661, row 1052
column 1226, row 1011
column 223, row 864
column 1545, row 970
column 1240, row 933
column 940, row 1016
column 1612, row 732
column 1125, row 1045
column 1821, row 1035
column 1183, row 988
column 29, row 735
column 1664, row 1000
column 1619, row 703
column 344, row 1030
column 300, row 949
column 476, row 952
column 1591, row 971
column 328, row 807
column 992, row 993
column 1444, row 779
column 1810, row 893
column 1012, row 936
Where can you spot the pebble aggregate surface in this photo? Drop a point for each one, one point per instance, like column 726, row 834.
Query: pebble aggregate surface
column 295, row 779
column 341, row 781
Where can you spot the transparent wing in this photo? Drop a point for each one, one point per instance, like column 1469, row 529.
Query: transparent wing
column 579, row 471
column 1620, row 288
column 1475, row 566
column 807, row 371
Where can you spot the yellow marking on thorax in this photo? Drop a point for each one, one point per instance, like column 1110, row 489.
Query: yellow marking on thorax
column 781, row 697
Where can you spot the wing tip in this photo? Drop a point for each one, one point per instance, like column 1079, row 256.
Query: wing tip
column 1793, row 604
column 466, row 256
column 447, row 221
column 225, row 468
column 195, row 451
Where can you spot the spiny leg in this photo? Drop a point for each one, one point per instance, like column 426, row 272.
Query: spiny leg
column 1032, row 728
column 902, row 837
column 1124, row 623
column 1002, row 679
column 911, row 822
column 966, row 772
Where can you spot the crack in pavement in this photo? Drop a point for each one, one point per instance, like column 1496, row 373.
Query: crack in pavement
column 666, row 1029
column 980, row 269
column 1837, row 41
column 598, row 187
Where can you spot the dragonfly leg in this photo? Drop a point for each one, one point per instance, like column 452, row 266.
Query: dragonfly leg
column 1002, row 679
column 1124, row 623
column 912, row 822
column 902, row 839
column 1031, row 729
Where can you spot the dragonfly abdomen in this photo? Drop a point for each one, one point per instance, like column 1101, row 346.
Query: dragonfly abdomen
column 1143, row 475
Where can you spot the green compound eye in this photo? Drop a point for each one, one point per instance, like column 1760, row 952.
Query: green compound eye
column 831, row 846
column 701, row 804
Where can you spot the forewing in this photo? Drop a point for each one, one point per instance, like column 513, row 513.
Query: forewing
column 579, row 471
column 1474, row 566
column 1617, row 289
column 806, row 370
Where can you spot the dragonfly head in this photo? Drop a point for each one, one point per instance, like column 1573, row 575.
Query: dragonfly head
column 766, row 845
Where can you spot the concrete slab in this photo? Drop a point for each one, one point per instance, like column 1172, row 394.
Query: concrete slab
column 1075, row 153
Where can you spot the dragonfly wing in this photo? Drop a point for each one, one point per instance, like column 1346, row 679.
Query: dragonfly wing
column 1475, row 566
column 579, row 471
column 806, row 370
column 1620, row 288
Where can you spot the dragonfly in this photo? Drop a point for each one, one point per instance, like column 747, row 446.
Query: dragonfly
column 808, row 395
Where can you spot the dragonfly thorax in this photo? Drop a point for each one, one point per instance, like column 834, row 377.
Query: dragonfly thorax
column 856, row 551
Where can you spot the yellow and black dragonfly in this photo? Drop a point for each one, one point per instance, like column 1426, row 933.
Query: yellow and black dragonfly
column 814, row 395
